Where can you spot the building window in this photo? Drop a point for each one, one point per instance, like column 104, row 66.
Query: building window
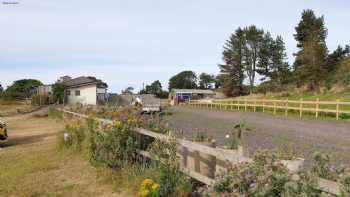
column 68, row 92
column 77, row 92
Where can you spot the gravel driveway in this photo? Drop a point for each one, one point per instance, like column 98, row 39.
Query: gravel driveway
column 304, row 136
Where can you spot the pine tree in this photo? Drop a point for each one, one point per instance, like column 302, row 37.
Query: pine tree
column 313, row 57
column 254, row 44
column 279, row 66
column 232, row 72
column 272, row 60
column 310, row 63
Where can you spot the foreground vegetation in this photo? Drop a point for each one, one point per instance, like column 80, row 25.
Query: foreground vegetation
column 116, row 146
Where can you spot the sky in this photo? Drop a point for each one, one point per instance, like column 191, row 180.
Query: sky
column 128, row 42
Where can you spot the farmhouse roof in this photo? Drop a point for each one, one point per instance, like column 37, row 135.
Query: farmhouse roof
column 83, row 81
column 193, row 91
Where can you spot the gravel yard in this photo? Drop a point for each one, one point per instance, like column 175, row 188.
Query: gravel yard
column 304, row 136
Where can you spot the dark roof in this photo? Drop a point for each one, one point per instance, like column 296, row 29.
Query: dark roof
column 83, row 81
column 193, row 91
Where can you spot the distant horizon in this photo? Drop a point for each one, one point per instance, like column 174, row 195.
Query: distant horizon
column 131, row 43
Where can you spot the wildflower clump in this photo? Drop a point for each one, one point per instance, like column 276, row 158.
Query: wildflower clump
column 74, row 135
column 149, row 188
column 116, row 145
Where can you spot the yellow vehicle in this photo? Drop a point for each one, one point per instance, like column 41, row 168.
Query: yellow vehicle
column 3, row 131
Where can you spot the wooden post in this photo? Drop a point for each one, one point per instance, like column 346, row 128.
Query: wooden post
column 286, row 108
column 184, row 156
column 317, row 106
column 337, row 108
column 254, row 105
column 238, row 104
column 274, row 107
column 245, row 104
column 301, row 108
column 263, row 105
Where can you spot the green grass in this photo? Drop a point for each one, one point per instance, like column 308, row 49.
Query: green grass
column 306, row 96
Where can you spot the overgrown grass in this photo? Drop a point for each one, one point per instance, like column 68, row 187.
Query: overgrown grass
column 37, row 168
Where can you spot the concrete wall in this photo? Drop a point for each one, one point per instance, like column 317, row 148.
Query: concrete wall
column 87, row 95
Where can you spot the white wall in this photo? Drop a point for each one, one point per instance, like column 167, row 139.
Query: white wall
column 87, row 95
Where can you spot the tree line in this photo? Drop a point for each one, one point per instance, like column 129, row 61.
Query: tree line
column 255, row 61
column 251, row 51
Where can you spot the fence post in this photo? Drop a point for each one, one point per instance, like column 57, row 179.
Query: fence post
column 286, row 105
column 274, row 107
column 263, row 105
column 254, row 105
column 238, row 104
column 337, row 113
column 317, row 106
column 245, row 104
column 301, row 107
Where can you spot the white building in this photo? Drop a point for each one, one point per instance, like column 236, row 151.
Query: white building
column 86, row 91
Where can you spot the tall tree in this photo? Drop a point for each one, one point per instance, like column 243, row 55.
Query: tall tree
column 23, row 88
column 232, row 72
column 254, row 44
column 183, row 80
column 206, row 81
column 313, row 70
column 58, row 92
column 272, row 63
column 310, row 62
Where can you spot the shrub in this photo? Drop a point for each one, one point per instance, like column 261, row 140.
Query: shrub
column 322, row 166
column 263, row 177
column 171, row 179
column 346, row 183
column 116, row 145
column 235, row 138
column 75, row 135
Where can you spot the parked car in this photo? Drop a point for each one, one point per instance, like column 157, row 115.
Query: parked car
column 149, row 103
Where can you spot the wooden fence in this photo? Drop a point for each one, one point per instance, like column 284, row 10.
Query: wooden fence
column 301, row 106
column 218, row 158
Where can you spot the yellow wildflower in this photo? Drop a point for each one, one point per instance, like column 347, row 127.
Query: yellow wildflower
column 118, row 123
column 109, row 126
column 147, row 182
column 144, row 193
column 156, row 186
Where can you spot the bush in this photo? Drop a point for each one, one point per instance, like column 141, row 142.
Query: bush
column 263, row 177
column 170, row 178
column 116, row 145
column 74, row 136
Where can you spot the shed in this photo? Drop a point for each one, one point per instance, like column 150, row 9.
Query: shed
column 182, row 95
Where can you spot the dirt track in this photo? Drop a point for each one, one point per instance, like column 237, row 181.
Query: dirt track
column 27, row 129
column 304, row 136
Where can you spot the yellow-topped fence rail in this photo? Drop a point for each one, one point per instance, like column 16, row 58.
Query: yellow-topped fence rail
column 332, row 107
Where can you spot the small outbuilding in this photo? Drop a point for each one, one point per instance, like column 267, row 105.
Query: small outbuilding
column 86, row 91
column 182, row 95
